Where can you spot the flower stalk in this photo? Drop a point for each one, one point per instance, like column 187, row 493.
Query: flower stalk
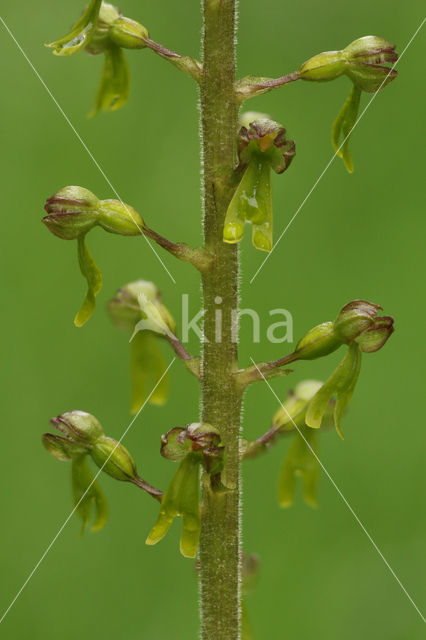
column 220, row 554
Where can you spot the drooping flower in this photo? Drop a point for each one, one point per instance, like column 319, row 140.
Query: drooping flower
column 262, row 146
column 102, row 29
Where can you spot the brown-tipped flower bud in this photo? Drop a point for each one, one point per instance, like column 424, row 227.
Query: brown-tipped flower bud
column 72, row 212
column 114, row 459
column 354, row 318
column 373, row 338
column 365, row 62
column 358, row 321
column 79, row 427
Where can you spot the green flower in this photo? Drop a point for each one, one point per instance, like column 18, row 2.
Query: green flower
column 71, row 213
column 102, row 29
column 137, row 308
column 364, row 61
column 357, row 325
column 83, row 438
column 262, row 145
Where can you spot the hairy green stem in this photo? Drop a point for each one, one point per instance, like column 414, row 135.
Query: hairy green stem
column 220, row 551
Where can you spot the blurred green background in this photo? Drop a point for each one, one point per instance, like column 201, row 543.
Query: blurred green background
column 359, row 236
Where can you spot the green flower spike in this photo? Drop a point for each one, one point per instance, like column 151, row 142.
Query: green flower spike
column 364, row 62
column 182, row 499
column 103, row 29
column 262, row 145
column 72, row 213
column 137, row 308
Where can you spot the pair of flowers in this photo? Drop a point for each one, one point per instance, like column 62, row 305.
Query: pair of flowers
column 262, row 143
column 314, row 404
column 83, row 437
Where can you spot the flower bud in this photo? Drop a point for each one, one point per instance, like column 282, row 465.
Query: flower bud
column 110, row 456
column 181, row 499
column 318, row 342
column 373, row 338
column 323, row 67
column 301, row 460
column 358, row 321
column 72, row 212
column 365, row 60
column 354, row 318
column 128, row 34
column 362, row 61
column 81, row 430
column 79, row 427
column 118, row 217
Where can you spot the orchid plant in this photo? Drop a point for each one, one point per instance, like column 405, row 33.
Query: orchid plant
column 239, row 149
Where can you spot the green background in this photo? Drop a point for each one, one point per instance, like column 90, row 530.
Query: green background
column 359, row 236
